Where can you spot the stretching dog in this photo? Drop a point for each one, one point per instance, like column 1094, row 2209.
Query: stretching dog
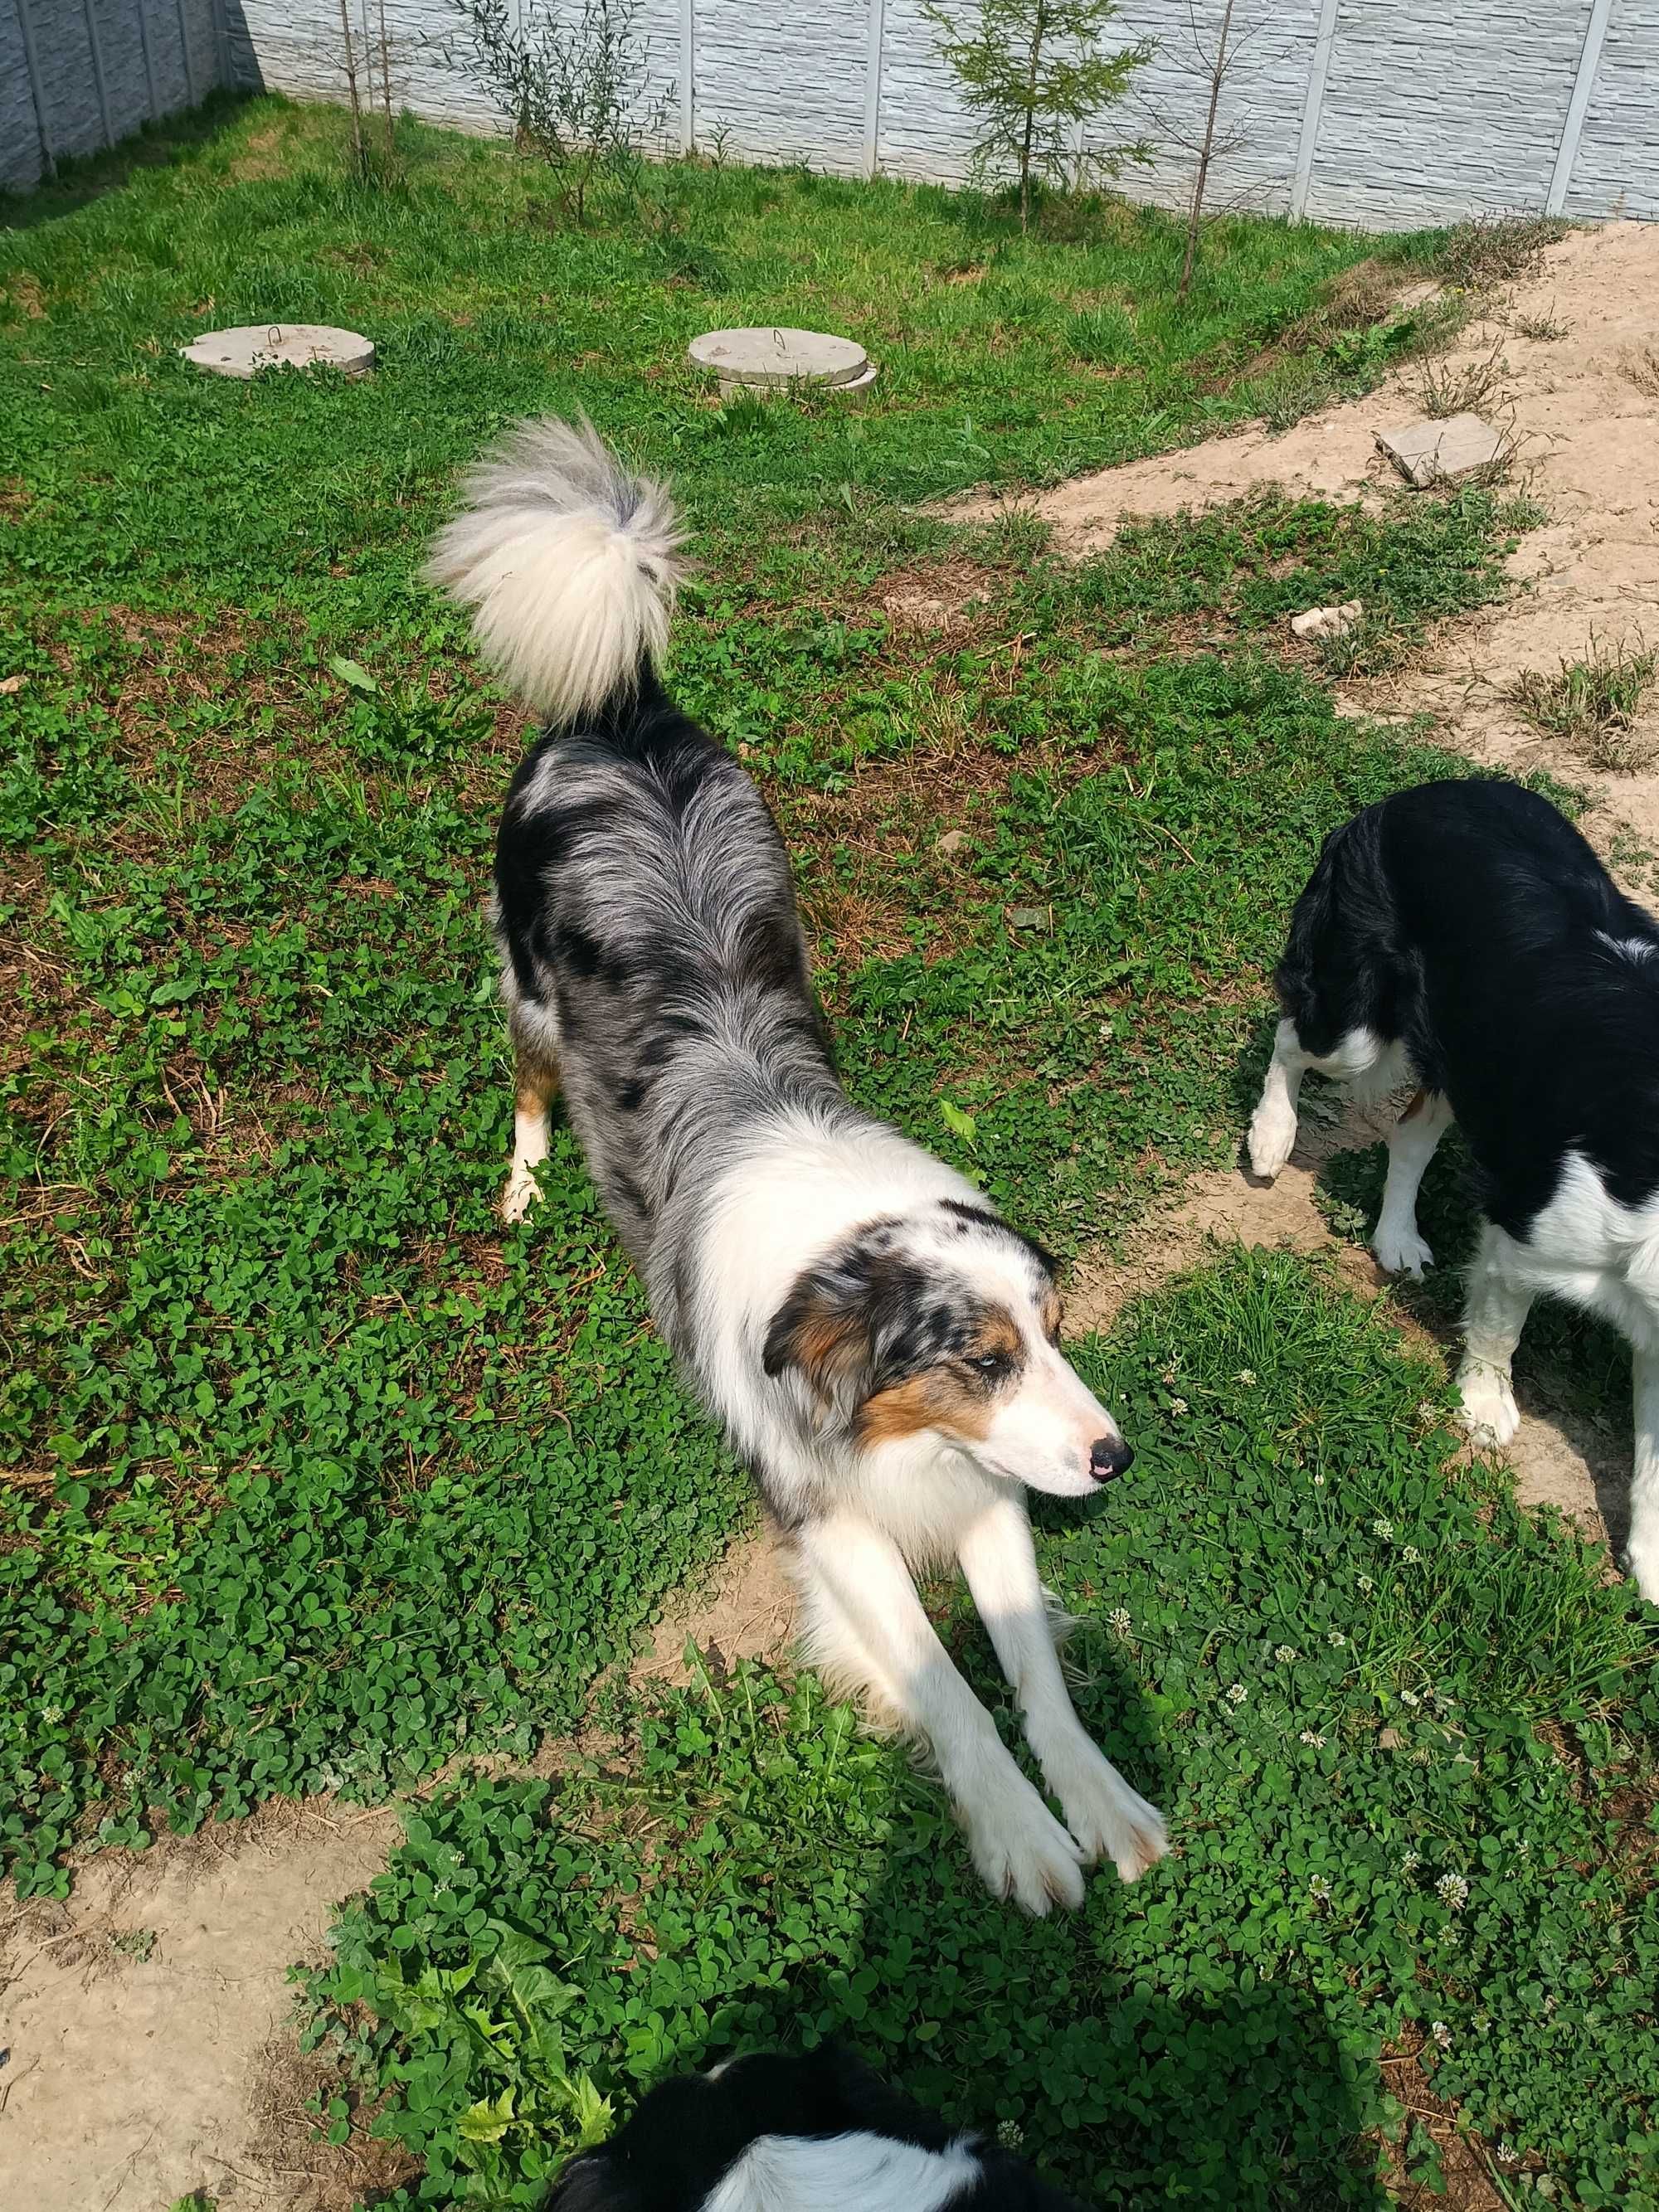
column 882, row 1348
column 776, row 2134
column 1464, row 936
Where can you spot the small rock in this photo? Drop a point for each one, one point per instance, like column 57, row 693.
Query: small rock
column 1328, row 622
column 952, row 842
column 1028, row 917
column 11, row 683
column 1428, row 453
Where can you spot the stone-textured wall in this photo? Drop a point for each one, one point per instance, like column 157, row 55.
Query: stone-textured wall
column 76, row 75
column 1381, row 114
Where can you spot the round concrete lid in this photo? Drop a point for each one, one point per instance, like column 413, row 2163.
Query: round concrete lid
column 779, row 357
column 243, row 352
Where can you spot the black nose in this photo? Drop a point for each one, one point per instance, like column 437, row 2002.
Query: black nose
column 1109, row 1456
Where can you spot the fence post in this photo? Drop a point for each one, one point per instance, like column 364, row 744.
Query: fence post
column 91, row 14
column 687, row 75
column 31, row 62
column 1579, row 106
column 875, row 38
column 153, row 105
column 184, row 44
column 1324, row 39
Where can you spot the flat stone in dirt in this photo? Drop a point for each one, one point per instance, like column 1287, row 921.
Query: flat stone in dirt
column 244, row 351
column 1428, row 453
column 772, row 359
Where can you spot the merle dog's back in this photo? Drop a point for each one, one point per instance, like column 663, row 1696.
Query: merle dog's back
column 1470, row 922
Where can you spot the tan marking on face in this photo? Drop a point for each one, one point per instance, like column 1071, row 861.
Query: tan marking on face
column 939, row 1399
column 949, row 1396
column 1419, row 1100
column 1051, row 1314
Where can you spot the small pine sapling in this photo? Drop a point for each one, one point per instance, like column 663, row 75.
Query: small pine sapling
column 1036, row 74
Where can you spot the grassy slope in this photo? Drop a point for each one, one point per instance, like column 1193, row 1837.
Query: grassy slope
column 319, row 1478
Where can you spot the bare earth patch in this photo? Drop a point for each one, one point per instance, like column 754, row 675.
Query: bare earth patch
column 746, row 1611
column 140, row 2016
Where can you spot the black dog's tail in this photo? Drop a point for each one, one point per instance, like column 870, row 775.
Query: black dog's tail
column 569, row 564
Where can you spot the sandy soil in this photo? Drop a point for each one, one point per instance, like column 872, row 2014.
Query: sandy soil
column 146, row 2019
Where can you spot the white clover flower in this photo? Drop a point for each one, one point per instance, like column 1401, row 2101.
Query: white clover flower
column 1169, row 1378
column 1442, row 2033
column 1410, row 1697
column 1508, row 2155
column 1452, row 1890
column 1010, row 2134
column 1237, row 1694
column 1412, row 1556
column 1337, row 1640
column 1313, row 1737
column 1366, row 1584
column 1319, row 1482
column 1283, row 1653
column 1118, row 1620
column 1410, row 1863
column 1524, row 1847
column 1384, row 1529
column 1426, row 1412
column 1246, row 1375
column 1177, row 1405
column 52, row 1714
column 1319, row 1889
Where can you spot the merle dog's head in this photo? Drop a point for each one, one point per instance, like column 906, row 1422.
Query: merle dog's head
column 945, row 1324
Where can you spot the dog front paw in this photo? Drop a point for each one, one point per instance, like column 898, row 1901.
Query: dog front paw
column 1490, row 1412
column 1400, row 1251
column 1272, row 1139
column 1107, row 1819
column 521, row 1194
column 1020, row 1850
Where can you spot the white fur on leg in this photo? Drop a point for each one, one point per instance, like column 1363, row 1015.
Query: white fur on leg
column 1643, row 1553
column 1400, row 1250
column 1106, row 1817
column 529, row 1151
column 865, row 1628
column 1272, row 1127
column 1494, row 1315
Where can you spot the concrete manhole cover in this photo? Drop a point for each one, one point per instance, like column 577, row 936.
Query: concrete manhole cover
column 779, row 357
column 243, row 352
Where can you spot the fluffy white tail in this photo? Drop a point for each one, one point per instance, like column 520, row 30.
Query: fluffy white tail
column 568, row 564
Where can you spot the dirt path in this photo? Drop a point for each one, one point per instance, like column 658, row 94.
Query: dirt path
column 1585, row 407
column 145, row 2020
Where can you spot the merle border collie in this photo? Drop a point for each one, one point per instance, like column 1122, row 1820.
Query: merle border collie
column 882, row 1348
column 1464, row 936
column 775, row 2134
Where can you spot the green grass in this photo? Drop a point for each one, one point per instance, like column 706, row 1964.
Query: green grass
column 315, row 1479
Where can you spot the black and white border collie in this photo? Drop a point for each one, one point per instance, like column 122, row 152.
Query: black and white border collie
column 775, row 2134
column 1464, row 936
column 882, row 1348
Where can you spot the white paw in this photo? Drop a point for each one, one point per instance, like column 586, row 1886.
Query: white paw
column 1490, row 1412
column 1642, row 1565
column 521, row 1193
column 1272, row 1139
column 1020, row 1850
column 1108, row 1819
column 1400, row 1251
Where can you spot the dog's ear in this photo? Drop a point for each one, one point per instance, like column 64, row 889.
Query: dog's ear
column 821, row 1333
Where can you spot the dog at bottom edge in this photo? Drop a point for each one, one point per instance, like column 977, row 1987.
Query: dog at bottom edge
column 771, row 2133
